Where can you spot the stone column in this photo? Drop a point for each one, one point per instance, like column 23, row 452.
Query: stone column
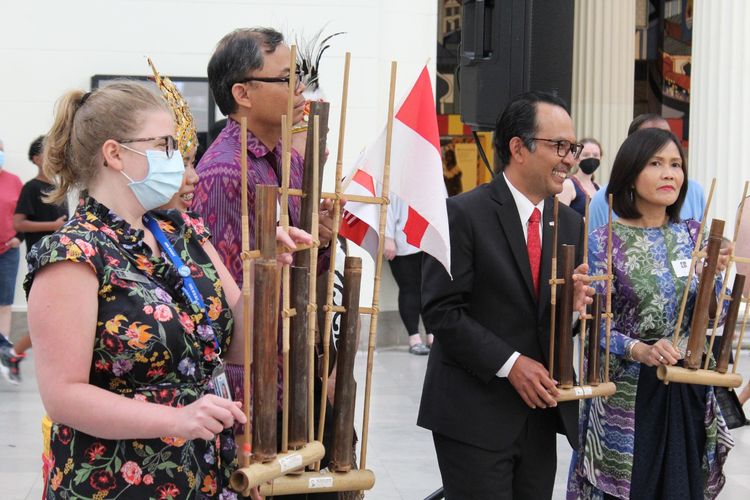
column 603, row 74
column 719, row 104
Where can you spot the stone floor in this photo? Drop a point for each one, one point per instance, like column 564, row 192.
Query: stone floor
column 400, row 453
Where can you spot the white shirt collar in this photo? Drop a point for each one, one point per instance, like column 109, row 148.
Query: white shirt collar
column 523, row 204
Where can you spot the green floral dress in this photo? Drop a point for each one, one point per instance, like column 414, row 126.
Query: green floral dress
column 152, row 345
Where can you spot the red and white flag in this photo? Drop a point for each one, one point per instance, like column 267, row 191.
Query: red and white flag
column 416, row 177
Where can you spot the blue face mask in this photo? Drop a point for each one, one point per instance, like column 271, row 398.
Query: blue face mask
column 2, row 158
column 163, row 180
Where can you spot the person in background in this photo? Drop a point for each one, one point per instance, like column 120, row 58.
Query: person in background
column 648, row 440
column 35, row 219
column 742, row 249
column 406, row 265
column 10, row 190
column 581, row 186
column 695, row 199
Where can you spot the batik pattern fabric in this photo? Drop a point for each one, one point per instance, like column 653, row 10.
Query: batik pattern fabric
column 151, row 344
column 646, row 298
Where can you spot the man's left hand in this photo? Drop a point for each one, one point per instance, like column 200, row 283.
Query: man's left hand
column 325, row 220
column 582, row 292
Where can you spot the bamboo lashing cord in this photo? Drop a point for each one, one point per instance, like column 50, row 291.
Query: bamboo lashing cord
column 727, row 270
column 378, row 268
column 326, row 334
column 693, row 260
column 247, row 299
column 553, row 291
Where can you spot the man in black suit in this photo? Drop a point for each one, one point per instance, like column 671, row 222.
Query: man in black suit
column 488, row 397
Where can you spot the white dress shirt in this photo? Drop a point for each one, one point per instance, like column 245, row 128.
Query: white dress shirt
column 525, row 208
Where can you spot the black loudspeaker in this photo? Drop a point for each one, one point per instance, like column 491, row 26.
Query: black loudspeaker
column 509, row 47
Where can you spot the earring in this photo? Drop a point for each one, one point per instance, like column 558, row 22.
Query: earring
column 632, row 194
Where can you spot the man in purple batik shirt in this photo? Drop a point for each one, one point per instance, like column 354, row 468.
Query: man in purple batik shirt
column 249, row 77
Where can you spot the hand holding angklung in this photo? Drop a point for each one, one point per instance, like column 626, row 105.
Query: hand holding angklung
column 582, row 292
column 533, row 383
column 661, row 353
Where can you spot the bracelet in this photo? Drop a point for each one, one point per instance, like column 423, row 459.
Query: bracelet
column 629, row 350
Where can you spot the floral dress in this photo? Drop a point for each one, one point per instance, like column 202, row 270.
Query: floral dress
column 646, row 297
column 152, row 345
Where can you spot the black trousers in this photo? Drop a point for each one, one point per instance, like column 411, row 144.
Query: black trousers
column 407, row 271
column 524, row 471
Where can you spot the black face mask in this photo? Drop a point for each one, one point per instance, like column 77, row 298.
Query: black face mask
column 589, row 165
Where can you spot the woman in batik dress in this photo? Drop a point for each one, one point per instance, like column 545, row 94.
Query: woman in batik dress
column 649, row 440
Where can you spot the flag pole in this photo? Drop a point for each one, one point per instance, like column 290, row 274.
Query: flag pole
column 378, row 269
column 328, row 308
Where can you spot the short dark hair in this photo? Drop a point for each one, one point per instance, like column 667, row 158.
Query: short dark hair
column 630, row 161
column 36, row 147
column 238, row 53
column 519, row 120
column 639, row 120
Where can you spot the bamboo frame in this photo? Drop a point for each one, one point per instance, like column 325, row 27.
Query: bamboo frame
column 693, row 260
column 582, row 391
column 319, row 482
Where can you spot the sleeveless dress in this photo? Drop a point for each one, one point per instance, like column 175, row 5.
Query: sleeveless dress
column 152, row 345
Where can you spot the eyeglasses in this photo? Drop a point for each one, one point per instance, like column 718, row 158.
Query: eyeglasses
column 276, row 79
column 169, row 143
column 564, row 147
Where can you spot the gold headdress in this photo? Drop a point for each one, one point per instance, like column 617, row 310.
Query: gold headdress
column 186, row 133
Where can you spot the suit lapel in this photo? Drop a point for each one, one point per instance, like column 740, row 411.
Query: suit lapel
column 507, row 213
column 545, row 271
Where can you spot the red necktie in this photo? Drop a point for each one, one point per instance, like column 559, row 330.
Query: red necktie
column 534, row 246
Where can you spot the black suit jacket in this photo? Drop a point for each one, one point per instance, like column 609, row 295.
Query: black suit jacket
column 483, row 315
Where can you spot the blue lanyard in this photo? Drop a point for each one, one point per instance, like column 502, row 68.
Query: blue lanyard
column 189, row 288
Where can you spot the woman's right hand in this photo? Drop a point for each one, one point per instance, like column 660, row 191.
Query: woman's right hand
column 207, row 417
column 660, row 353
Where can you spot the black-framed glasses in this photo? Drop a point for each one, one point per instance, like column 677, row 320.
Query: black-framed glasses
column 169, row 143
column 276, row 79
column 564, row 147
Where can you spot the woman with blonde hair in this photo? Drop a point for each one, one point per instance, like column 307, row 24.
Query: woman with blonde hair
column 130, row 312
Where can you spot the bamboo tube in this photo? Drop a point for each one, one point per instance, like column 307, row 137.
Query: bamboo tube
column 700, row 377
column 582, row 335
column 326, row 334
column 247, row 300
column 246, row 478
column 564, row 344
column 699, row 324
column 299, row 359
column 265, row 328
column 593, row 347
column 586, row 392
column 313, row 286
column 693, row 260
column 608, row 312
column 725, row 346
column 378, row 268
column 722, row 295
column 319, row 482
column 346, row 388
column 553, row 291
column 285, row 280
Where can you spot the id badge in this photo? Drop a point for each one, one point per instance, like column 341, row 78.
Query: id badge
column 681, row 267
column 220, row 383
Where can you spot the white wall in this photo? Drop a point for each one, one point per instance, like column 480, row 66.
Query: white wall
column 48, row 47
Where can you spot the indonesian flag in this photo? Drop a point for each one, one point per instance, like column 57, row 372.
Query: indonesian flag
column 416, row 177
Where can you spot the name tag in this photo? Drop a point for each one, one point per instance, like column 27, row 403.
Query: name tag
column 125, row 275
column 681, row 267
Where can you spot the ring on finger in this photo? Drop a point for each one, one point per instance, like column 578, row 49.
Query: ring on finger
column 661, row 358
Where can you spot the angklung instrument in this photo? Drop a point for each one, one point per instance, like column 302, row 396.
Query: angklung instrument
column 590, row 384
column 697, row 367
